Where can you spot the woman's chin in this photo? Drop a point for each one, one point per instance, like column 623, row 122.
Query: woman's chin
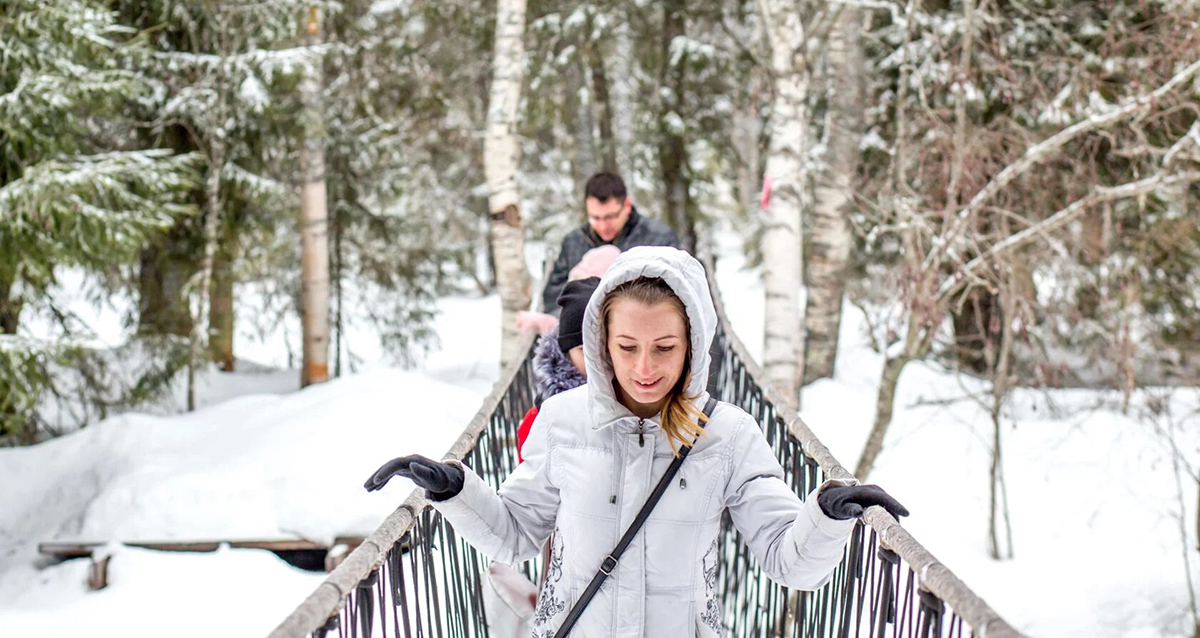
column 647, row 396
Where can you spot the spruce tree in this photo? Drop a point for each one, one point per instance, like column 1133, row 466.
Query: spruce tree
column 75, row 191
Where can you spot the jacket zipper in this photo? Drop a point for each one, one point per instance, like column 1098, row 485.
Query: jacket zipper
column 641, row 432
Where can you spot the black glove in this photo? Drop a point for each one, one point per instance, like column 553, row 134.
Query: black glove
column 440, row 480
column 844, row 502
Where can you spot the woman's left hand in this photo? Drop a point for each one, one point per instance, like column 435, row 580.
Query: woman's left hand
column 844, row 502
column 440, row 480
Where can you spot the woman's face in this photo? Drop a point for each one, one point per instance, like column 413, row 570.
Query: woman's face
column 648, row 345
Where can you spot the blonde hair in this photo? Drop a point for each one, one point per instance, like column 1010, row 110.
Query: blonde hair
column 679, row 413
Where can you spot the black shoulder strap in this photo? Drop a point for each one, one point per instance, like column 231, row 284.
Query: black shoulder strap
column 610, row 562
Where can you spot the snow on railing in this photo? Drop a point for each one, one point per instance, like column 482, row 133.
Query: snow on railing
column 414, row 577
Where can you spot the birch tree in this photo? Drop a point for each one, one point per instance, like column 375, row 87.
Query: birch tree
column 501, row 160
column 786, row 176
column 830, row 240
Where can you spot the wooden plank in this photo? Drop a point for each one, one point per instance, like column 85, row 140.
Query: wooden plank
column 80, row 549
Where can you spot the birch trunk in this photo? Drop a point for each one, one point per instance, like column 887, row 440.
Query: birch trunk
column 748, row 125
column 314, row 226
column 212, row 225
column 782, row 240
column 621, row 74
column 212, row 219
column 830, row 241
column 501, row 157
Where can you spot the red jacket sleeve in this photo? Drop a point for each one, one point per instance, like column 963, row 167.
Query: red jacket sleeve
column 523, row 431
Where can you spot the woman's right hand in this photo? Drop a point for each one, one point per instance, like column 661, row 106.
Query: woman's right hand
column 440, row 480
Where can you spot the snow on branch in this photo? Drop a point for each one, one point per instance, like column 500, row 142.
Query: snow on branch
column 1043, row 149
column 25, row 346
column 287, row 60
column 1098, row 195
column 892, row 8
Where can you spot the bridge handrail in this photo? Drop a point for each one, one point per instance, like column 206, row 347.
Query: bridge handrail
column 331, row 594
column 933, row 575
column 376, row 570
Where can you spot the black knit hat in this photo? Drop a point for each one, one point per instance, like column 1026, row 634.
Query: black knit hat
column 574, row 300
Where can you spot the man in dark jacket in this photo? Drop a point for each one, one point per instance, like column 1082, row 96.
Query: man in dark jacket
column 611, row 219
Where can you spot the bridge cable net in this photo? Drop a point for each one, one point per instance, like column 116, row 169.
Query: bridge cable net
column 413, row 577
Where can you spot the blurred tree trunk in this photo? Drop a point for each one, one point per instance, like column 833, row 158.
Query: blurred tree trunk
column 782, row 239
column 164, row 268
column 603, row 104
column 501, row 159
column 623, row 101
column 220, row 312
column 10, row 309
column 580, row 124
column 830, row 242
column 212, row 225
column 672, row 149
column 314, row 225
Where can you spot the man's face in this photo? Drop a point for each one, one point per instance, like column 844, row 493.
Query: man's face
column 609, row 217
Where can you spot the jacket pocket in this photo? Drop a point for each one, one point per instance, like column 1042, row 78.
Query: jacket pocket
column 670, row 614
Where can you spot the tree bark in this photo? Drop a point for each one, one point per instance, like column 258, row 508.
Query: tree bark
column 622, row 101
column 212, row 225
column 782, row 239
column 220, row 311
column 10, row 309
column 748, row 125
column 999, row 359
column 917, row 341
column 338, row 326
column 884, row 405
column 314, row 225
column 501, row 159
column 603, row 105
column 164, row 269
column 830, row 241
column 672, row 149
column 580, row 125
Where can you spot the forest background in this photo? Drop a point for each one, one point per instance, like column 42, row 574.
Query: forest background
column 1006, row 188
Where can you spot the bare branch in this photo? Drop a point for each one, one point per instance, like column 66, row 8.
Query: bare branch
column 1043, row 149
column 1058, row 219
column 892, row 8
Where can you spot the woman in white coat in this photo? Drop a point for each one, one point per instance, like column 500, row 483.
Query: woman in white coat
column 596, row 453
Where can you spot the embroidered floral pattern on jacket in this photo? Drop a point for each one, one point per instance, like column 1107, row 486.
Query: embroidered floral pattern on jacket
column 711, row 616
column 550, row 602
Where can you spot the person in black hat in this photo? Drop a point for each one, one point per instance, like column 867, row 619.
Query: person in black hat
column 612, row 219
column 558, row 355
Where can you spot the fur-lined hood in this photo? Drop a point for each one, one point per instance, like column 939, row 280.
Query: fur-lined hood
column 553, row 371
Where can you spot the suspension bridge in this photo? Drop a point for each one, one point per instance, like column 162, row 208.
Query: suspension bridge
column 413, row 577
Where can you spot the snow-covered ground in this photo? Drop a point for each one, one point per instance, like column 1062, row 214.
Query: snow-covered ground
column 1092, row 493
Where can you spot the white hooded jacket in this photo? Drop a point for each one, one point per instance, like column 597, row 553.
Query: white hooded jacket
column 585, row 477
